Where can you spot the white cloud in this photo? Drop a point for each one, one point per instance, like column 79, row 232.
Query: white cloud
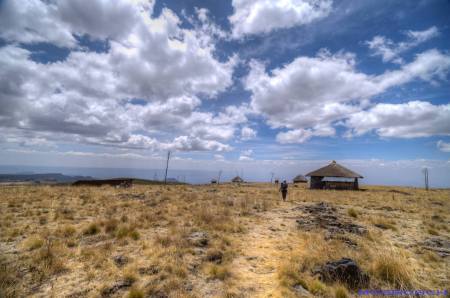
column 408, row 120
column 247, row 133
column 390, row 51
column 262, row 16
column 311, row 95
column 89, row 95
column 246, row 155
column 443, row 146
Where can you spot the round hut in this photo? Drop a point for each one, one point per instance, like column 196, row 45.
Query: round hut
column 237, row 179
column 334, row 176
column 299, row 179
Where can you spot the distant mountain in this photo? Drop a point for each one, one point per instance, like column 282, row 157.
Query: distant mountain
column 42, row 178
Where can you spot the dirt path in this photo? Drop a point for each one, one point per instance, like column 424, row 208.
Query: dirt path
column 268, row 241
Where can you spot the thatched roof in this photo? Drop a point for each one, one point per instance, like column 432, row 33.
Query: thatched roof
column 299, row 178
column 334, row 170
column 237, row 179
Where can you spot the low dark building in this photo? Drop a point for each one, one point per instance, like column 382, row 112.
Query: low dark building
column 237, row 179
column 334, row 176
column 300, row 179
column 123, row 182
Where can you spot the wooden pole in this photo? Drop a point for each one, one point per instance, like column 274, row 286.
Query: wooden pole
column 167, row 167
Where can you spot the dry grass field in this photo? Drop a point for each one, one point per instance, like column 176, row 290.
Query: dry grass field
column 217, row 241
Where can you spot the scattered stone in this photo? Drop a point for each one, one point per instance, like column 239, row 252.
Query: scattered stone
column 120, row 260
column 323, row 215
column 150, row 270
column 214, row 256
column 437, row 244
column 344, row 270
column 301, row 291
column 199, row 239
column 121, row 284
column 346, row 240
column 273, row 229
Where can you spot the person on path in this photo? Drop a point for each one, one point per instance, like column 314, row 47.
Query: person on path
column 284, row 189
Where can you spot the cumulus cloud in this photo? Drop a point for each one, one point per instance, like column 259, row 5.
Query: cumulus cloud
column 390, row 51
column 263, row 16
column 247, row 133
column 310, row 95
column 408, row 120
column 90, row 95
column 443, row 146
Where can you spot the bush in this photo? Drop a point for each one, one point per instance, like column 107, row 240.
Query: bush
column 92, row 229
column 135, row 293
column 352, row 212
column 341, row 292
column 393, row 269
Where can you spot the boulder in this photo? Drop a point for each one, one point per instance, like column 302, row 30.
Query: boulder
column 344, row 270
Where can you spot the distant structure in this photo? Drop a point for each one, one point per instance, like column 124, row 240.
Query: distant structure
column 213, row 181
column 300, row 179
column 237, row 179
column 121, row 182
column 277, row 181
column 334, row 176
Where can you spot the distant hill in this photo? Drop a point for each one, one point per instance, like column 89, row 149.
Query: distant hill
column 41, row 178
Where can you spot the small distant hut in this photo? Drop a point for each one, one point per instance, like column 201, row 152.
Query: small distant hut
column 334, row 176
column 213, row 181
column 277, row 181
column 237, row 179
column 299, row 179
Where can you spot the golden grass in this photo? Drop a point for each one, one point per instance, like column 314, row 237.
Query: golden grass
column 62, row 240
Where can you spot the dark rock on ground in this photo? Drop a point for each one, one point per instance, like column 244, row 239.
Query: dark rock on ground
column 120, row 260
column 120, row 285
column 199, row 239
column 150, row 270
column 215, row 256
column 344, row 270
column 301, row 291
column 439, row 245
column 323, row 215
column 340, row 237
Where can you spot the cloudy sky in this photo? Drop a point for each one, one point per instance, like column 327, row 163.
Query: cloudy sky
column 244, row 84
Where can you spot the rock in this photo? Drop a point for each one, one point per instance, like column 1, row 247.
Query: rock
column 199, row 239
column 439, row 245
column 150, row 270
column 214, row 256
column 121, row 284
column 120, row 260
column 344, row 270
column 301, row 291
column 346, row 240
column 325, row 216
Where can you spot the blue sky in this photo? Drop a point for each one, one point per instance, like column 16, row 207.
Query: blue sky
column 281, row 86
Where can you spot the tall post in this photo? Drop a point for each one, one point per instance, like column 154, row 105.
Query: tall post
column 425, row 174
column 167, row 167
column 218, row 178
column 271, row 177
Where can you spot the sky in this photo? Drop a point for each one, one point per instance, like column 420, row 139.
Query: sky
column 244, row 86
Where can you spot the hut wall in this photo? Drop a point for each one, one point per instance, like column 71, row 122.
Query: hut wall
column 339, row 185
column 316, row 183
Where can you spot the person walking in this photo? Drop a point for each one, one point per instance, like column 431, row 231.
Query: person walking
column 284, row 189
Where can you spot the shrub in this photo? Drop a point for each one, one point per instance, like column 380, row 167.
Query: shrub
column 135, row 293
column 218, row 272
column 352, row 212
column 92, row 229
column 341, row 292
column 33, row 242
column 393, row 269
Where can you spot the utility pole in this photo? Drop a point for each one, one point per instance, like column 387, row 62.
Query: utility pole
column 167, row 167
column 218, row 178
column 271, row 177
column 425, row 173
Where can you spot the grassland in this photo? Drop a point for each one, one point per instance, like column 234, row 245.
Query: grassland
column 214, row 241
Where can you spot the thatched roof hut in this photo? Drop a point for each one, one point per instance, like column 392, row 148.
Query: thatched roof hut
column 334, row 176
column 237, row 179
column 299, row 179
